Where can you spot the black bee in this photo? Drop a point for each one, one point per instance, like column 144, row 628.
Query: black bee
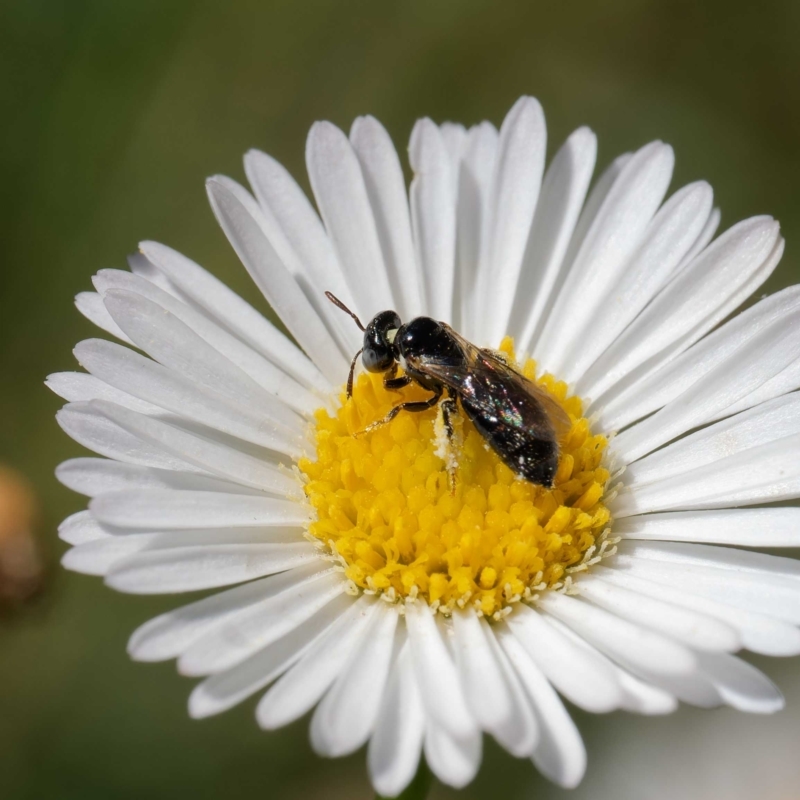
column 520, row 421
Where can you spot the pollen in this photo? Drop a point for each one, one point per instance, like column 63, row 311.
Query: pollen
column 413, row 516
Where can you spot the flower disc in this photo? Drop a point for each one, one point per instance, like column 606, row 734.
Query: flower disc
column 403, row 527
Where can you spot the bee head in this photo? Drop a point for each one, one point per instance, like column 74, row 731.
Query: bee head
column 379, row 350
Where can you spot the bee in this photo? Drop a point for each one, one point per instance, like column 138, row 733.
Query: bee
column 519, row 420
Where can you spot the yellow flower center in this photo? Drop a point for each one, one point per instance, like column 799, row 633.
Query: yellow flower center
column 386, row 508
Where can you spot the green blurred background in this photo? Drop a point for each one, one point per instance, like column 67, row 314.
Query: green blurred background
column 111, row 116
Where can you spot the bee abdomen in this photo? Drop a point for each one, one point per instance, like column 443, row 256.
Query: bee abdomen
column 536, row 460
column 531, row 457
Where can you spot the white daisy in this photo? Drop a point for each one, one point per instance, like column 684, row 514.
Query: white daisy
column 415, row 618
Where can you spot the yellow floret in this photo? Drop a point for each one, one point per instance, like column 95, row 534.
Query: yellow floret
column 384, row 502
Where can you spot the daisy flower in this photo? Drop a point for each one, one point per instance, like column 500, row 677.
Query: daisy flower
column 414, row 591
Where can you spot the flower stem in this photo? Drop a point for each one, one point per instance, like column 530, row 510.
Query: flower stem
column 418, row 788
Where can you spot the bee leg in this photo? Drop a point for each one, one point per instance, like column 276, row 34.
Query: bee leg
column 422, row 405
column 393, row 383
column 448, row 406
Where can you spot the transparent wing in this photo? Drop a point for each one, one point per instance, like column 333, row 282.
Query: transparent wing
column 492, row 388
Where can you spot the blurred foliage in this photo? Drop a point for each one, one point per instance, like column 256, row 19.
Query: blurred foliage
column 112, row 115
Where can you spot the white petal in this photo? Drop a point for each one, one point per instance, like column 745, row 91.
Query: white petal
column 786, row 381
column 560, row 754
column 240, row 635
column 592, row 207
column 636, row 696
column 194, row 537
column 642, row 697
column 80, row 528
column 758, row 633
column 691, row 628
column 731, row 303
column 133, row 373
column 718, row 563
column 214, row 537
column 652, row 691
column 165, row 348
column 455, row 138
column 666, row 240
column 299, row 238
column 481, row 677
column 142, row 267
column 341, row 196
column 91, row 305
column 563, row 192
column 515, row 191
column 396, row 744
column 170, row 634
column 696, row 689
column 196, row 451
column 751, row 592
column 613, row 237
column 436, row 673
column 751, row 527
column 302, row 686
column 95, row 476
column 582, row 679
column 661, row 386
column 383, row 178
column 433, row 217
column 320, row 270
column 704, row 239
column 741, row 685
column 88, row 426
column 165, row 509
column 78, row 387
column 347, row 714
column 521, row 736
column 764, row 424
column 785, row 570
column 235, row 314
column 453, row 761
column 474, row 179
column 762, row 474
column 762, row 357
column 240, row 218
column 186, row 569
column 167, row 338
column 700, row 297
column 225, row 690
column 619, row 639
column 486, row 687
column 99, row 556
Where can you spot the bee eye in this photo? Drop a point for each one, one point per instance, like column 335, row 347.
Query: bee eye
column 379, row 352
column 377, row 359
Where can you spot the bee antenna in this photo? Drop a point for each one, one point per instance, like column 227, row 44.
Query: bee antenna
column 337, row 302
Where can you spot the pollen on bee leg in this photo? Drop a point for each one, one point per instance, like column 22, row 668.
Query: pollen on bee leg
column 447, row 443
column 441, row 439
column 388, row 511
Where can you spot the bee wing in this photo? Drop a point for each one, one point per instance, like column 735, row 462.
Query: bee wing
column 559, row 418
column 494, row 388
